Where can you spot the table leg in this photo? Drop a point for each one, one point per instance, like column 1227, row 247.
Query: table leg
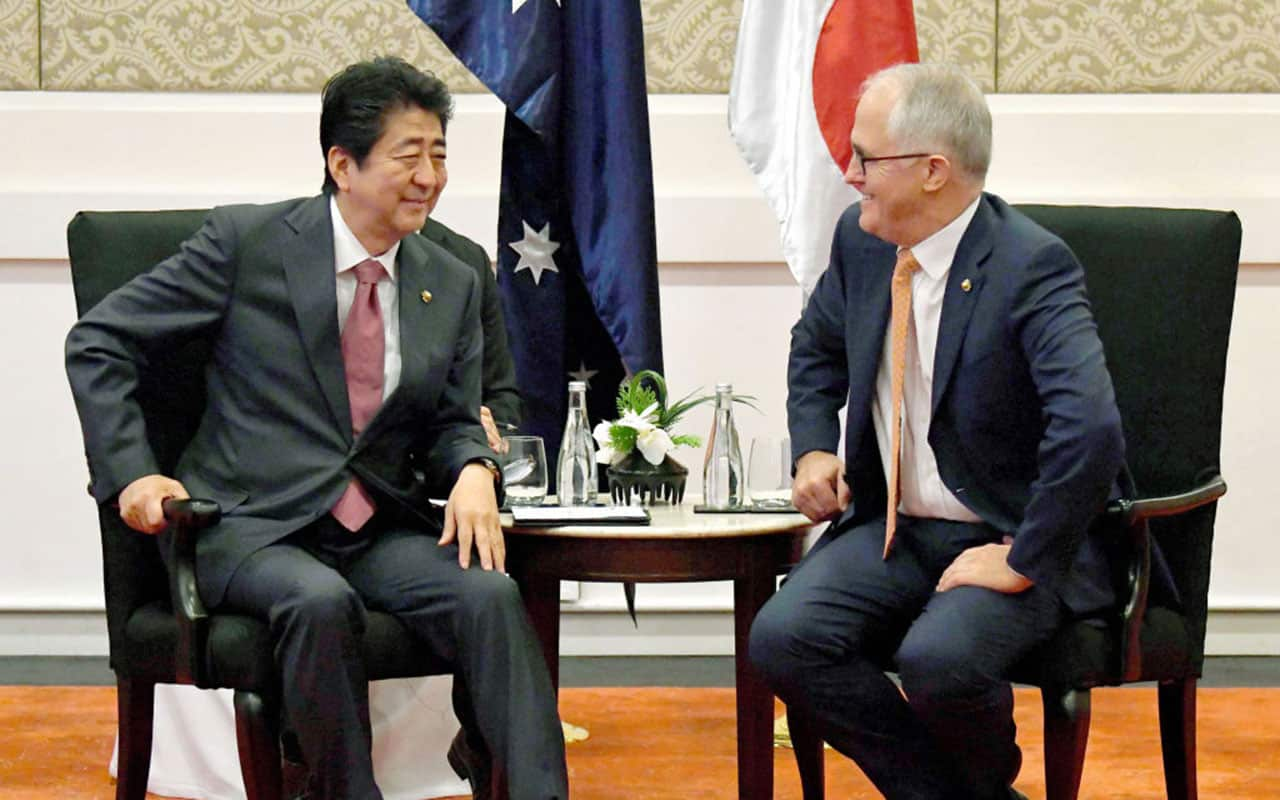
column 541, row 595
column 755, row 701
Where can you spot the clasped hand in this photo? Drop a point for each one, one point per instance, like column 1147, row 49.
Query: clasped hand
column 819, row 490
column 142, row 502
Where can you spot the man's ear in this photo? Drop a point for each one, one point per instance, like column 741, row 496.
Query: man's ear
column 340, row 165
column 939, row 173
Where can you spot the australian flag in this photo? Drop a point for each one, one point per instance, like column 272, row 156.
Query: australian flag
column 577, row 259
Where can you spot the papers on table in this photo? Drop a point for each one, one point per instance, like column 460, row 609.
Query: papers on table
column 580, row 515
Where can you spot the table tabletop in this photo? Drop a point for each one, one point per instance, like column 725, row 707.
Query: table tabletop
column 676, row 522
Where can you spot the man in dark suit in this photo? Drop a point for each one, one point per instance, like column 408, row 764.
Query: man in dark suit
column 1001, row 411
column 501, row 400
column 342, row 393
column 500, row 411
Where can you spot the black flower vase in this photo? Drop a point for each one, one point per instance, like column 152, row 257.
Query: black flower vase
column 634, row 480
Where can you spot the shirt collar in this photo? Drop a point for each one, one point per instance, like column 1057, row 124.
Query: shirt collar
column 347, row 250
column 936, row 253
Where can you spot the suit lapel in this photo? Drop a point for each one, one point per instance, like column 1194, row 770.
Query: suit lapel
column 871, row 324
column 964, row 284
column 418, row 318
column 309, row 272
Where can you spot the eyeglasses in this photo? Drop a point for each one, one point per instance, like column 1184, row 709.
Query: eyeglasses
column 863, row 162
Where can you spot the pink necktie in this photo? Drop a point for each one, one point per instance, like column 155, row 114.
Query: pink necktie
column 363, row 349
column 900, row 294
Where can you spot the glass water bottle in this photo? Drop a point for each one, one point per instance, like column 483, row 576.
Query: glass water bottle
column 722, row 483
column 576, row 467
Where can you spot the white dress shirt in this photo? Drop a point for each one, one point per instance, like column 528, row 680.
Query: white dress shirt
column 347, row 253
column 923, row 494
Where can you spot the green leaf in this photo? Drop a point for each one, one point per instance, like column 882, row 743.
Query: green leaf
column 686, row 440
column 634, row 396
column 672, row 415
column 621, row 438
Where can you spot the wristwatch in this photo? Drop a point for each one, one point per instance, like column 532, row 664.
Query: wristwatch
column 492, row 466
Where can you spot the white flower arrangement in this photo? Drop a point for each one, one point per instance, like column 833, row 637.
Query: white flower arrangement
column 644, row 421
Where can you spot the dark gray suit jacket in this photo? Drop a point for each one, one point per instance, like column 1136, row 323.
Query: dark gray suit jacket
column 1025, row 426
column 498, row 378
column 275, row 446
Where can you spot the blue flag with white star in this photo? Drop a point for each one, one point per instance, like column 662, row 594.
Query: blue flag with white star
column 577, row 259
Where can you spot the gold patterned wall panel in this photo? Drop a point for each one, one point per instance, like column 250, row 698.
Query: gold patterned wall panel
column 689, row 44
column 228, row 45
column 960, row 32
column 19, row 44
column 293, row 45
column 1185, row 46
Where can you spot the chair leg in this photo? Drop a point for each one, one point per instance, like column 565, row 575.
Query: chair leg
column 1066, row 735
column 135, row 703
column 808, row 751
column 258, row 741
column 1178, row 737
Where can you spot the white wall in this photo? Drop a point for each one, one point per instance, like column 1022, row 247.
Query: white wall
column 727, row 301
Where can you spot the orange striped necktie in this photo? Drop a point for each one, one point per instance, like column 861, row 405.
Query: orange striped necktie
column 900, row 293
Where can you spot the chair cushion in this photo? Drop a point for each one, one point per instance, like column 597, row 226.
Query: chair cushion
column 240, row 651
column 1084, row 654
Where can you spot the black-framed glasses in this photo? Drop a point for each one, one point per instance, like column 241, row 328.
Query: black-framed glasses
column 863, row 162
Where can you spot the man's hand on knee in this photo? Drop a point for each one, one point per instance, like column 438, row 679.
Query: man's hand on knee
column 986, row 566
column 471, row 517
column 819, row 490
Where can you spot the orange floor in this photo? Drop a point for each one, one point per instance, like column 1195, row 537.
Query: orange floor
column 663, row 744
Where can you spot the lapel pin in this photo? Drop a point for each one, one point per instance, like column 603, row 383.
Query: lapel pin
column 965, row 286
column 426, row 296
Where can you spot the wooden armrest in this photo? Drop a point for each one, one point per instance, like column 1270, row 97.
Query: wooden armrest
column 1135, row 514
column 186, row 519
column 1142, row 508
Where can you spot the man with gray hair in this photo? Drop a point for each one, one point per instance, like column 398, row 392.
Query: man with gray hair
column 982, row 437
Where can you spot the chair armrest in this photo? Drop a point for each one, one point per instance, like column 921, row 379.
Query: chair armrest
column 1144, row 508
column 186, row 519
column 1134, row 513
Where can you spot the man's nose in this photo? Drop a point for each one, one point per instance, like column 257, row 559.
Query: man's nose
column 853, row 174
column 425, row 175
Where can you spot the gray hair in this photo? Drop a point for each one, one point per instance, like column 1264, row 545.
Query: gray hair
column 938, row 108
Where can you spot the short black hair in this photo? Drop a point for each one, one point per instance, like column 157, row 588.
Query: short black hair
column 355, row 104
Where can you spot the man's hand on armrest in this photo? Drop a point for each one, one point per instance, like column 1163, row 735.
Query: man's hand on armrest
column 819, row 490
column 141, row 502
column 471, row 517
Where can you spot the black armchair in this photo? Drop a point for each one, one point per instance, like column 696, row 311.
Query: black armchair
column 159, row 631
column 1162, row 284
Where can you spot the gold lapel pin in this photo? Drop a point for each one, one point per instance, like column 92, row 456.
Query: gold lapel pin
column 426, row 296
column 965, row 285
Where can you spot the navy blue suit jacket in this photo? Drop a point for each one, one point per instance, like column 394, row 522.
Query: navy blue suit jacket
column 1025, row 426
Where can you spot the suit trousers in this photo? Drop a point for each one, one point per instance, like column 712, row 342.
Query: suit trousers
column 845, row 614
column 314, row 587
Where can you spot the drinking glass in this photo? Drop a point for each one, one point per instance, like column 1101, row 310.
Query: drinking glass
column 524, row 470
column 769, row 472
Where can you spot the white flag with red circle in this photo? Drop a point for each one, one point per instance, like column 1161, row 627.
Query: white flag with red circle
column 796, row 77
